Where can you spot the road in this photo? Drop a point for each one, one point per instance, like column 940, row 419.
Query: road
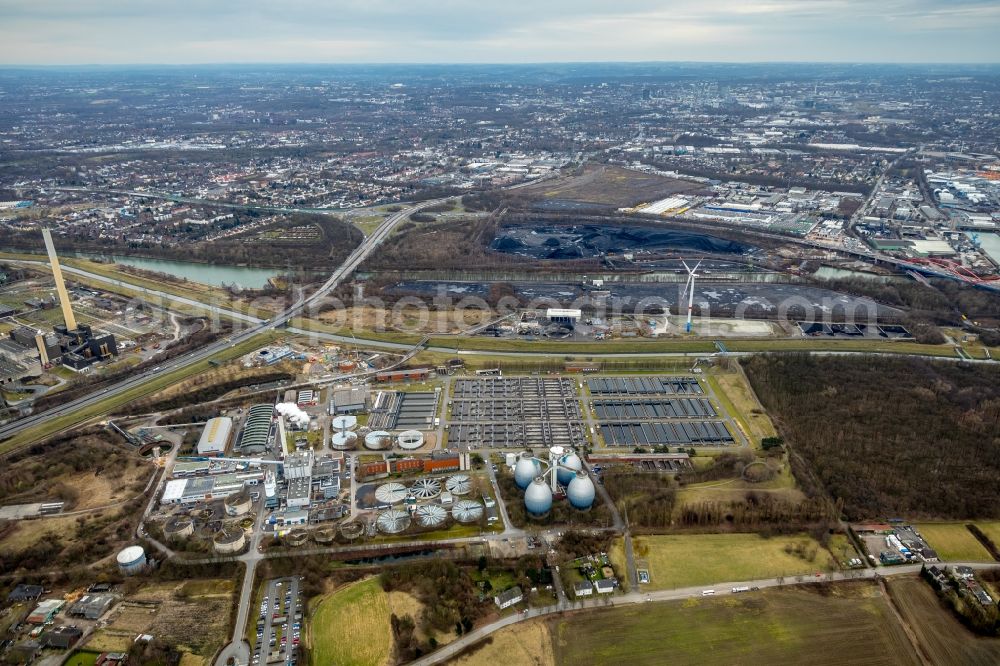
column 719, row 589
column 299, row 306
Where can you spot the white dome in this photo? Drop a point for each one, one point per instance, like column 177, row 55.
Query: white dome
column 581, row 491
column 538, row 497
column 526, row 469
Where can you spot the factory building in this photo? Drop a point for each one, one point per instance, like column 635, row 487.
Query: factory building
column 78, row 345
column 564, row 316
column 348, row 400
column 206, row 488
column 215, row 436
column 257, row 430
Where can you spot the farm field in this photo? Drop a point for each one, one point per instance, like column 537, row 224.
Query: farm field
column 351, row 626
column 698, row 559
column 953, row 542
column 943, row 638
column 609, row 186
column 527, row 643
column 992, row 530
column 773, row 627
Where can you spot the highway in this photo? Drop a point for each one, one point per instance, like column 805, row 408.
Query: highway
column 300, row 305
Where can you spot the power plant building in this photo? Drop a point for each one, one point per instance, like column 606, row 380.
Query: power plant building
column 215, row 436
column 78, row 345
column 257, row 430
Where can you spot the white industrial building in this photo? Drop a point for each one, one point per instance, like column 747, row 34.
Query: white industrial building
column 215, row 436
column 206, row 488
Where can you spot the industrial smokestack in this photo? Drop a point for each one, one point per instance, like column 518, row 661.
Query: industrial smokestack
column 60, row 285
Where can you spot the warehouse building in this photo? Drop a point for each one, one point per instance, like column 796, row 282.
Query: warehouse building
column 215, row 436
column 348, row 400
column 206, row 488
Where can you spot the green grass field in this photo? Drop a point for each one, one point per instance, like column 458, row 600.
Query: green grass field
column 351, row 627
column 992, row 530
column 953, row 542
column 851, row 625
column 677, row 561
column 83, row 658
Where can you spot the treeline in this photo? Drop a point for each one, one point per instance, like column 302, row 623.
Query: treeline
column 757, row 511
column 944, row 304
column 450, row 600
column 647, row 499
column 888, row 436
column 207, row 393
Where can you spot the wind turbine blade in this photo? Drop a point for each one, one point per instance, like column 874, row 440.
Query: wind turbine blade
column 686, row 267
column 698, row 264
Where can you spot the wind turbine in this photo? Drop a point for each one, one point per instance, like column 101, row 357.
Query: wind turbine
column 689, row 290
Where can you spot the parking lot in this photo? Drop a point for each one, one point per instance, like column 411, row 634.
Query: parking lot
column 279, row 623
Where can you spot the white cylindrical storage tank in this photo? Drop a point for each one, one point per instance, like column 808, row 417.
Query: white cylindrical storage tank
column 569, row 465
column 131, row 560
column 377, row 440
column 511, row 459
column 238, row 504
column 410, row 440
column 581, row 491
column 344, row 422
column 526, row 469
column 178, row 527
column 229, row 540
column 344, row 441
column 538, row 497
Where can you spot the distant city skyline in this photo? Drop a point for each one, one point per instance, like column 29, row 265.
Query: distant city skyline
column 60, row 32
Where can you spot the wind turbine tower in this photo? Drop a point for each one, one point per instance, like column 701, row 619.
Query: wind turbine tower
column 689, row 289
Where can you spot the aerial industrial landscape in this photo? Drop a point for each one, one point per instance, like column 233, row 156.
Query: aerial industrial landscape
column 379, row 364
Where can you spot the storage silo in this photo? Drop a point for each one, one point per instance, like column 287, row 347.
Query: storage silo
column 569, row 464
column 538, row 497
column 131, row 560
column 229, row 540
column 238, row 504
column 581, row 491
column 378, row 440
column 526, row 469
column 178, row 527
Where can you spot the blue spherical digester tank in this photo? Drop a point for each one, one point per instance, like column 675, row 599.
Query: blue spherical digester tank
column 526, row 469
column 569, row 464
column 538, row 497
column 581, row 491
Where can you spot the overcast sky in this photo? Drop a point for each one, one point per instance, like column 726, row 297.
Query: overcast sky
column 445, row 31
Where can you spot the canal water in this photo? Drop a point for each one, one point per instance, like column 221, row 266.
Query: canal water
column 216, row 275
column 991, row 245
